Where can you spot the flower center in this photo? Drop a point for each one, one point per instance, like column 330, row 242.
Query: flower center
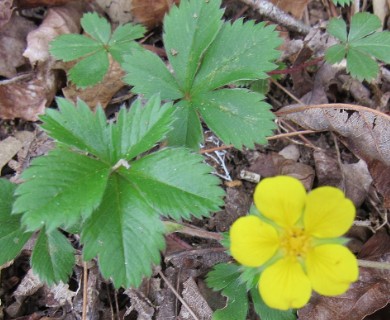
column 295, row 242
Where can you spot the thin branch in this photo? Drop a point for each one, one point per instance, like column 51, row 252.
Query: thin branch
column 374, row 264
column 170, row 286
column 272, row 12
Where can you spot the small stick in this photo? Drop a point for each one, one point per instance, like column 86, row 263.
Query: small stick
column 85, row 288
column 273, row 13
column 178, row 295
column 374, row 264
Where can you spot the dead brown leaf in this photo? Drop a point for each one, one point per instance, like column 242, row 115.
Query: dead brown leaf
column 12, row 44
column 381, row 175
column 269, row 165
column 9, row 147
column 195, row 301
column 365, row 131
column 27, row 98
column 295, row 8
column 59, row 20
column 5, row 12
column 101, row 93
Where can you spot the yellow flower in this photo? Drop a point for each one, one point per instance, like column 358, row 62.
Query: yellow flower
column 296, row 242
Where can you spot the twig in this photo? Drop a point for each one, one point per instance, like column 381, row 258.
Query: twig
column 85, row 288
column 273, row 13
column 170, row 286
column 374, row 264
column 298, row 67
column 196, row 232
column 292, row 96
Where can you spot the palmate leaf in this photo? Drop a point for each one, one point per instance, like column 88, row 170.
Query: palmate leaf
column 342, row 2
column 177, row 183
column 94, row 49
column 53, row 257
column 238, row 116
column 225, row 277
column 12, row 235
column 60, row 189
column 199, row 23
column 207, row 54
column 362, row 44
column 125, row 233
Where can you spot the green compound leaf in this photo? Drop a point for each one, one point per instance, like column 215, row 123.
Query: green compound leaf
column 188, row 32
column 241, row 51
column 225, row 277
column 360, row 65
column 53, row 257
column 363, row 44
column 125, row 233
column 267, row 313
column 206, row 54
column 149, row 75
column 94, row 52
column 338, row 29
column 187, row 129
column 177, row 183
column 238, row 116
column 97, row 27
column 363, row 24
column 121, row 42
column 68, row 47
column 342, row 2
column 60, row 189
column 90, row 70
column 79, row 127
column 139, row 129
column 12, row 235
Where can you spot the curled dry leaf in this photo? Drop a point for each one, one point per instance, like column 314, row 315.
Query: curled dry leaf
column 147, row 12
column 365, row 131
column 59, row 20
column 295, row 8
column 12, row 43
column 101, row 93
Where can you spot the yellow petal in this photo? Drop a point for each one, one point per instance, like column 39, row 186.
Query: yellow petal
column 331, row 268
column 328, row 213
column 284, row 285
column 252, row 241
column 281, row 199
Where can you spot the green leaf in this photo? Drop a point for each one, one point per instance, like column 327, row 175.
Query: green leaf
column 90, row 70
column 338, row 29
column 225, row 277
column 177, row 183
column 121, row 41
column 363, row 24
column 139, row 129
column 148, row 74
column 342, row 2
column 267, row 313
column 79, row 127
column 187, row 129
column 361, row 65
column 188, row 31
column 68, row 47
column 238, row 116
column 12, row 235
column 241, row 51
column 60, row 189
column 125, row 233
column 53, row 257
column 97, row 27
column 335, row 54
column 377, row 45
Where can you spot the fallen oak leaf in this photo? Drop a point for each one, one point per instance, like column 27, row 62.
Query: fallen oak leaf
column 365, row 131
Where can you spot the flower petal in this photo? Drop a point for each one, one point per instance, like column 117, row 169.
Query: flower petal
column 328, row 213
column 331, row 268
column 281, row 199
column 284, row 285
column 253, row 241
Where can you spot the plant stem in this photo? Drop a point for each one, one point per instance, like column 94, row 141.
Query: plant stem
column 374, row 264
